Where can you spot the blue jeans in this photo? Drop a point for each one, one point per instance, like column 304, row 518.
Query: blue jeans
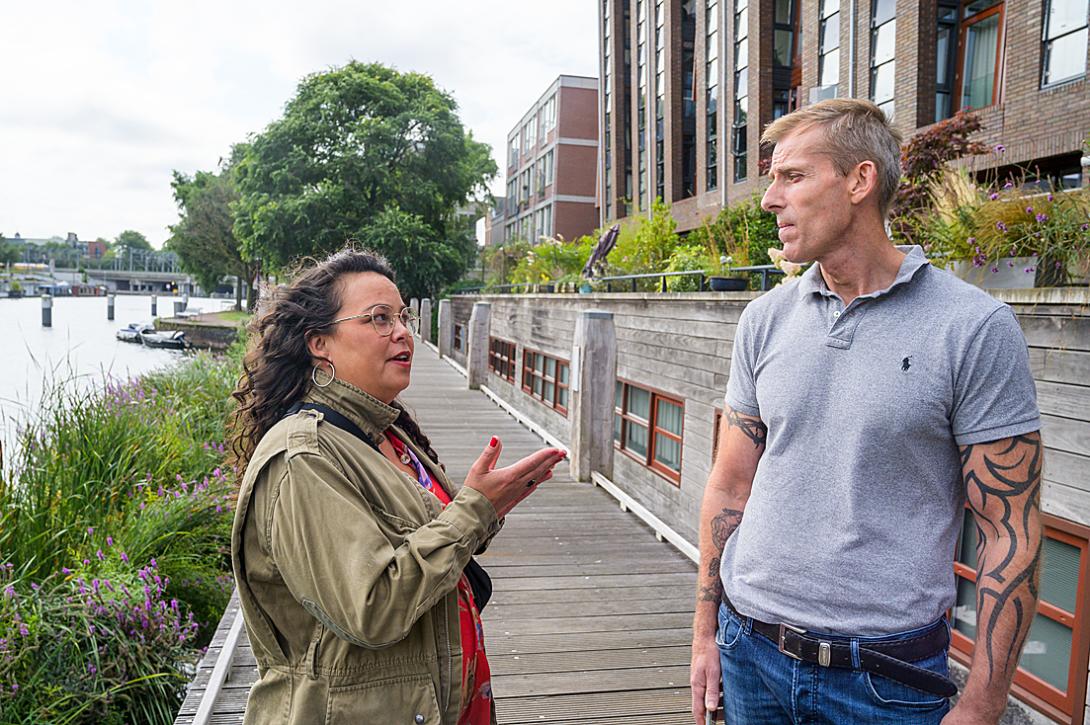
column 763, row 686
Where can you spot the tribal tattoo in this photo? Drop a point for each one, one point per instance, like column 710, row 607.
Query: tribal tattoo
column 751, row 428
column 1003, row 482
column 723, row 525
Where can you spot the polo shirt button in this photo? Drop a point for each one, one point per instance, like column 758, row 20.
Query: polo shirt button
column 836, row 313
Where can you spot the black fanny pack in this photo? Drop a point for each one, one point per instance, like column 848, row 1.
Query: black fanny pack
column 478, row 578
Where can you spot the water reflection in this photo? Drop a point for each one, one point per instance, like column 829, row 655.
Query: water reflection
column 80, row 349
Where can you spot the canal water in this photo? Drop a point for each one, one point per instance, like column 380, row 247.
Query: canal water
column 80, row 350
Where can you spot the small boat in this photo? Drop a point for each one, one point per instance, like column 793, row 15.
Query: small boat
column 134, row 330
column 168, row 339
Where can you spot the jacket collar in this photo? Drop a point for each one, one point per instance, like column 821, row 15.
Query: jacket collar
column 368, row 412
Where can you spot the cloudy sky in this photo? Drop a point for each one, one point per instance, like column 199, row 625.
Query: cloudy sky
column 99, row 101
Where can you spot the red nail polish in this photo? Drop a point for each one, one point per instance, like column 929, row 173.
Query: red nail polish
column 492, row 443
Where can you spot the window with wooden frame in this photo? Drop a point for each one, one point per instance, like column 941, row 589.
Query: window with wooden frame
column 501, row 358
column 1051, row 673
column 545, row 378
column 459, row 336
column 649, row 426
column 980, row 47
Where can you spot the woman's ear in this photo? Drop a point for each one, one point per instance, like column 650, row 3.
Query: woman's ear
column 316, row 345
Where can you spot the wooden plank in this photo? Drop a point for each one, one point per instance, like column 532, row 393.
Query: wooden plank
column 1066, row 434
column 1060, row 366
column 1066, row 401
column 666, row 706
column 563, row 683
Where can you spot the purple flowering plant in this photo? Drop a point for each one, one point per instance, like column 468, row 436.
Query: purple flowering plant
column 115, row 515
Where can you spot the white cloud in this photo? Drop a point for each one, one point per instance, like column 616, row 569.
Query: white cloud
column 100, row 101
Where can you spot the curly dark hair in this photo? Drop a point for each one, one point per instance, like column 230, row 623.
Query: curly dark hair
column 277, row 366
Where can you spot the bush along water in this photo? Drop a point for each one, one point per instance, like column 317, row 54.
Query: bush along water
column 114, row 547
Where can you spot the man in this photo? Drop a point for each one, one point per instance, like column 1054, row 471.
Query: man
column 867, row 402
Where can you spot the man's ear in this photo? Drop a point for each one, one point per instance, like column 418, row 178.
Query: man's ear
column 863, row 182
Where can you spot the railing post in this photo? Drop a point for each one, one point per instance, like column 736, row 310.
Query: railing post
column 609, row 286
column 477, row 361
column 414, row 305
column 425, row 319
column 663, row 283
column 593, row 378
column 633, row 284
column 446, row 328
column 701, row 281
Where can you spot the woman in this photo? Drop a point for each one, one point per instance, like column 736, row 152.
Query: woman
column 349, row 542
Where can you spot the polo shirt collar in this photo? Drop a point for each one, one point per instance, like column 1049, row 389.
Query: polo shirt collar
column 812, row 282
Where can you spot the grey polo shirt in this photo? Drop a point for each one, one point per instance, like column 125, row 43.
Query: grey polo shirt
column 855, row 508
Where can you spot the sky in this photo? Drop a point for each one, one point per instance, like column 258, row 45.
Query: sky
column 100, row 101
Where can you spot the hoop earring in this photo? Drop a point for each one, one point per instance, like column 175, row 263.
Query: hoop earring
column 314, row 374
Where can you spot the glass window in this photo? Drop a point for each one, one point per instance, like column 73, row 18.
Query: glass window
column 979, row 70
column 1065, row 35
column 830, row 68
column 639, row 402
column 882, row 11
column 635, row 438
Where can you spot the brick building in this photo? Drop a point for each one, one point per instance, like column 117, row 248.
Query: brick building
column 688, row 85
column 551, row 162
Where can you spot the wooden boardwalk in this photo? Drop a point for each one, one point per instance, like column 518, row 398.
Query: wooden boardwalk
column 590, row 617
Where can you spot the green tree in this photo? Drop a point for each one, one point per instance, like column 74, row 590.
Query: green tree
column 425, row 261
column 133, row 239
column 362, row 149
column 9, row 253
column 204, row 238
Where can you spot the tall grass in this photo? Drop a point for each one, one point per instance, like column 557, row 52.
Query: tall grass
column 114, row 546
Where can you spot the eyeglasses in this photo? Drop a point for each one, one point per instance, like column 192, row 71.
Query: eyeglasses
column 383, row 319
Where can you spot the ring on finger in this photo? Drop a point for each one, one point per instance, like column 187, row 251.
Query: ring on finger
column 531, row 482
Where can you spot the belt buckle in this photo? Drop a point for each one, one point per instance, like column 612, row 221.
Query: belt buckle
column 783, row 633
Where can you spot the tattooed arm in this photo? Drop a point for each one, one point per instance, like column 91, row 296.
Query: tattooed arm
column 1003, row 482
column 741, row 443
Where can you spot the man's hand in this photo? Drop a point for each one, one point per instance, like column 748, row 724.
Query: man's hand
column 704, row 678
column 1003, row 483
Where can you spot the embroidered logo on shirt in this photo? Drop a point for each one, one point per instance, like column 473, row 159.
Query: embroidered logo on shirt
column 906, row 364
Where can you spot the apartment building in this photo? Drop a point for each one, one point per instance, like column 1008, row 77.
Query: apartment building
column 551, row 163
column 688, row 85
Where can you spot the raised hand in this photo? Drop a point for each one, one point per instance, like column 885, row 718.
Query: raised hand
column 506, row 487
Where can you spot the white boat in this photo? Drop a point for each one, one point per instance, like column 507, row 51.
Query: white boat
column 171, row 339
column 134, row 330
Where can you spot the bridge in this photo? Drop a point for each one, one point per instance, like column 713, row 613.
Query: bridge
column 131, row 280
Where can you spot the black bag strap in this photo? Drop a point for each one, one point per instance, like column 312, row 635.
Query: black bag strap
column 479, row 581
column 335, row 418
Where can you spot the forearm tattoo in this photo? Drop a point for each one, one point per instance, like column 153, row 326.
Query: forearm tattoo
column 723, row 525
column 752, row 428
column 1003, row 481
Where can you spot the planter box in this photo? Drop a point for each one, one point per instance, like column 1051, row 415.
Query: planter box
column 1008, row 277
column 728, row 284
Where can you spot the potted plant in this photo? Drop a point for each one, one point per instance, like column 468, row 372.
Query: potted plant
column 1007, row 238
column 720, row 265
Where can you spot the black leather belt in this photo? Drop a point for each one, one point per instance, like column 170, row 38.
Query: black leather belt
column 889, row 658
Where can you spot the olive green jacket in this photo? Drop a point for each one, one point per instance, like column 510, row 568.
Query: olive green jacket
column 347, row 571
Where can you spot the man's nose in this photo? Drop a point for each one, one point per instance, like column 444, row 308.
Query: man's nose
column 770, row 201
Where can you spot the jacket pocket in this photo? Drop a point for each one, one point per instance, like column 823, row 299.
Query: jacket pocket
column 408, row 700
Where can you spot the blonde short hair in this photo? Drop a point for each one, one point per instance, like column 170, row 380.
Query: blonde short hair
column 855, row 131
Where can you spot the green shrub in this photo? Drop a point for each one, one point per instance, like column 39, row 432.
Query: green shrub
column 110, row 493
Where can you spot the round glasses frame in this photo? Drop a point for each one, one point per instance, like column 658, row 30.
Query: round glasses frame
column 386, row 327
